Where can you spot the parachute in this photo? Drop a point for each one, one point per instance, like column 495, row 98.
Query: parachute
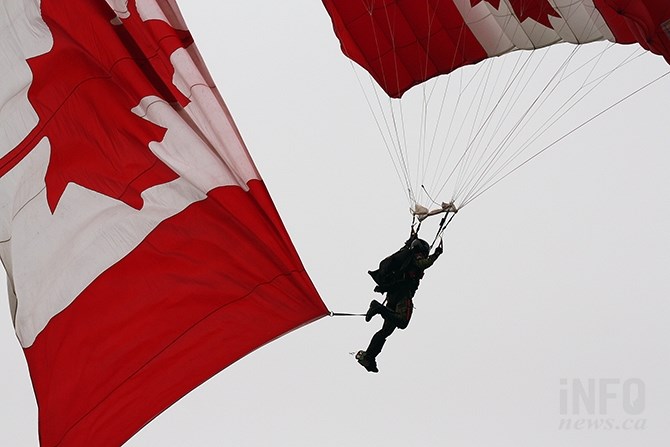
column 495, row 114
column 405, row 42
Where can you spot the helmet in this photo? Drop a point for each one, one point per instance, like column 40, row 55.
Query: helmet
column 420, row 246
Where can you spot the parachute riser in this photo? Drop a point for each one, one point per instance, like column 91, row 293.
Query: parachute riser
column 421, row 213
column 443, row 226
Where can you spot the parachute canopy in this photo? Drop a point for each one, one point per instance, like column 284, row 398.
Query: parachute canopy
column 490, row 115
column 402, row 43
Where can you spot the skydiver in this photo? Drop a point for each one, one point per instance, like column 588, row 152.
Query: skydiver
column 398, row 276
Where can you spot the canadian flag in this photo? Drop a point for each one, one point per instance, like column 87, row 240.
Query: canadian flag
column 405, row 42
column 142, row 249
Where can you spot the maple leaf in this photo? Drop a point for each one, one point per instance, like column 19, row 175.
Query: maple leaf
column 84, row 105
column 538, row 10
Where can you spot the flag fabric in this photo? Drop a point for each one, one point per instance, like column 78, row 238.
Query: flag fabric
column 142, row 249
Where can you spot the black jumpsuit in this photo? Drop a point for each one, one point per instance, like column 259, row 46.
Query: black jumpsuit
column 398, row 309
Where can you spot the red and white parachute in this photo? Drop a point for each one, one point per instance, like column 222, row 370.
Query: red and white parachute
column 405, row 42
column 491, row 113
column 142, row 249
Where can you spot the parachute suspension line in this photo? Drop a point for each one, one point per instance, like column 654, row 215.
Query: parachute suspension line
column 421, row 160
column 443, row 160
column 510, row 137
column 469, row 154
column 557, row 117
column 471, row 165
column 424, row 110
column 469, row 147
column 434, row 136
column 400, row 165
column 425, row 154
column 396, row 128
column 495, row 158
column 395, row 125
column 483, row 163
column 466, row 160
column 550, row 122
column 401, row 143
column 463, row 160
column 463, row 89
column 513, row 133
column 399, row 136
column 439, row 118
column 387, row 145
column 440, row 167
column 496, row 154
column 566, row 135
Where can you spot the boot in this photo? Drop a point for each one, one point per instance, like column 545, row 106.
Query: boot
column 368, row 363
column 373, row 310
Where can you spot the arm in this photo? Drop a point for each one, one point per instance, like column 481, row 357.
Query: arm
column 430, row 260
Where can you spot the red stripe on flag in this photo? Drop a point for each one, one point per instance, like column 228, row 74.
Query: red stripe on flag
column 205, row 288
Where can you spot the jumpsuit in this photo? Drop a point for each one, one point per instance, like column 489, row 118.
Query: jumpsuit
column 399, row 306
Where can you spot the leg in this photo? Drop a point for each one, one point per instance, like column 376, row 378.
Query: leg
column 393, row 318
column 399, row 316
column 375, row 307
column 378, row 340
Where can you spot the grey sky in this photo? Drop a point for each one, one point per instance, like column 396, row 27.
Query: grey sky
column 558, row 272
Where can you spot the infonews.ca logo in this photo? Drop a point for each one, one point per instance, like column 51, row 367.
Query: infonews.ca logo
column 602, row 404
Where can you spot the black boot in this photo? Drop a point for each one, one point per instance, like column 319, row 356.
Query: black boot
column 368, row 363
column 375, row 306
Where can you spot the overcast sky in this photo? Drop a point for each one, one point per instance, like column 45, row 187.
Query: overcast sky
column 555, row 277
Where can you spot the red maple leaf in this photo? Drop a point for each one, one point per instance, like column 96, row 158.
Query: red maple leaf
column 83, row 91
column 538, row 10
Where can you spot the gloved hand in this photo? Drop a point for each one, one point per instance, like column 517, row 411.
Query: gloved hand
column 439, row 249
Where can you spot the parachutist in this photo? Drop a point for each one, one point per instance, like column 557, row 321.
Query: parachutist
column 398, row 276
